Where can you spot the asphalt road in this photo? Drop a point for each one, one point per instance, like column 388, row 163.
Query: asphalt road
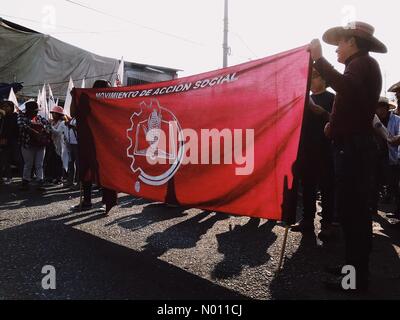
column 145, row 250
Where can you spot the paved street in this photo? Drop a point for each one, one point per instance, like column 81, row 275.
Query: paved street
column 146, row 250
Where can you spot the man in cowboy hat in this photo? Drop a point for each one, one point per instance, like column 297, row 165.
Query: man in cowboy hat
column 350, row 128
column 396, row 90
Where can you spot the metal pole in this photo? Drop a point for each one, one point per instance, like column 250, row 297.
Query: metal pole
column 225, row 44
column 283, row 248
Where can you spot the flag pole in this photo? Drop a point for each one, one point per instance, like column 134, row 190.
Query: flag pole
column 225, row 44
column 283, row 249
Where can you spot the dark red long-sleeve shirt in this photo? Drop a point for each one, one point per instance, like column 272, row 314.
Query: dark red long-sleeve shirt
column 357, row 94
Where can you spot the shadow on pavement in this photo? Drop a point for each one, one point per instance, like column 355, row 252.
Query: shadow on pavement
column 90, row 268
column 130, row 201
column 244, row 246
column 151, row 214
column 34, row 198
column 183, row 235
column 303, row 275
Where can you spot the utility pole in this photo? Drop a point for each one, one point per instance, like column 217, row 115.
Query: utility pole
column 225, row 45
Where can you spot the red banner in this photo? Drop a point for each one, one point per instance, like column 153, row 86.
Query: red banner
column 224, row 141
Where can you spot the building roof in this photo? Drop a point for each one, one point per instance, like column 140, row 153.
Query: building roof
column 34, row 58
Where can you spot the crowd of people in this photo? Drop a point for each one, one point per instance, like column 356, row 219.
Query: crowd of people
column 41, row 151
column 349, row 152
column 350, row 147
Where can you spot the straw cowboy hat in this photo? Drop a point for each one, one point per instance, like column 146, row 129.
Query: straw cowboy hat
column 395, row 88
column 387, row 102
column 57, row 109
column 356, row 29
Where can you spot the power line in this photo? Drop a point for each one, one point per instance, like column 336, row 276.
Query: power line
column 245, row 44
column 73, row 30
column 134, row 23
column 63, row 82
column 39, row 22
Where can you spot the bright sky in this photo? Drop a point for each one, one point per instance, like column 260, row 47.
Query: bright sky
column 187, row 34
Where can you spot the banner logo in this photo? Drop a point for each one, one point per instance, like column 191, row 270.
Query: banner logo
column 155, row 137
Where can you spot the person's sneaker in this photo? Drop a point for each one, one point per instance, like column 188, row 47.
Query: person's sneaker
column 83, row 207
column 24, row 186
column 7, row 181
column 103, row 209
column 303, row 226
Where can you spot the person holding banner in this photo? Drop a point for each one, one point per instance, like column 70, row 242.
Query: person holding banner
column 316, row 161
column 350, row 127
column 88, row 171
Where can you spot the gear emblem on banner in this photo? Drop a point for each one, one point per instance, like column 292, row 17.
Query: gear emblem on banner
column 156, row 145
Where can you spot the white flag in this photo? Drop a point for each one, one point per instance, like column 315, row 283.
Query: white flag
column 119, row 81
column 22, row 107
column 83, row 85
column 12, row 97
column 44, row 111
column 68, row 98
column 39, row 98
column 51, row 102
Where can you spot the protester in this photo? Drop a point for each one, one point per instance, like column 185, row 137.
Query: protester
column 4, row 149
column 71, row 142
column 57, row 150
column 8, row 139
column 381, row 191
column 34, row 135
column 316, row 161
column 358, row 91
column 90, row 167
column 396, row 90
column 392, row 123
